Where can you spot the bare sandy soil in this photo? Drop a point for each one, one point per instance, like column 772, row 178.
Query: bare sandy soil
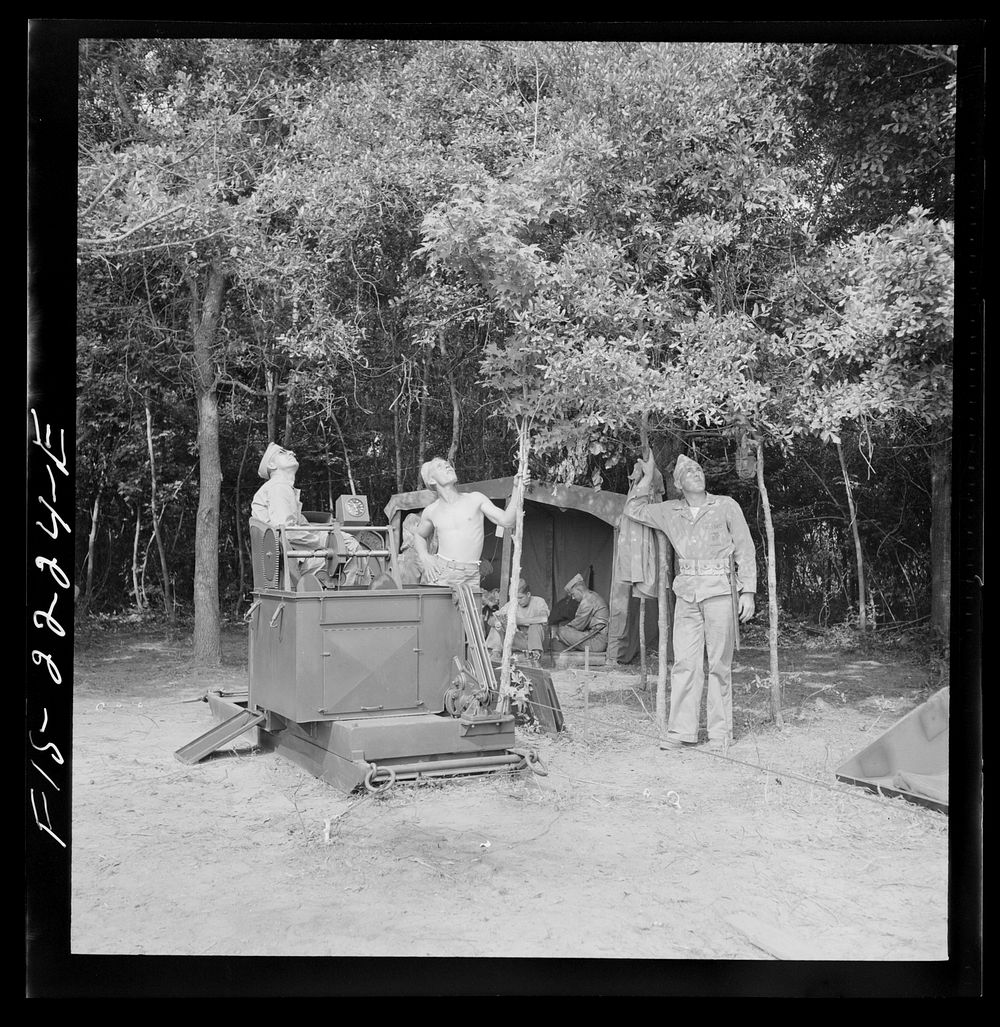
column 620, row 851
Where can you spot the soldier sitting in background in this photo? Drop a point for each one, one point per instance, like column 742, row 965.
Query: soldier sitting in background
column 592, row 618
column 531, row 616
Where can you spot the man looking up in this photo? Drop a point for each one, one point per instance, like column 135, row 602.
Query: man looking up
column 457, row 517
column 710, row 536
column 277, row 503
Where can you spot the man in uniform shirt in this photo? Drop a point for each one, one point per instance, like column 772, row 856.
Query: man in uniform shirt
column 531, row 616
column 591, row 614
column 277, row 503
column 710, row 536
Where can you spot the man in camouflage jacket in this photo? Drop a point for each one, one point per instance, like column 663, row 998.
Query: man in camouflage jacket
column 712, row 541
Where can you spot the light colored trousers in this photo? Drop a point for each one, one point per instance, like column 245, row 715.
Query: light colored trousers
column 452, row 573
column 700, row 628
column 527, row 638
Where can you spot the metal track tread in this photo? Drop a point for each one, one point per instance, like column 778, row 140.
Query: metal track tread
column 218, row 736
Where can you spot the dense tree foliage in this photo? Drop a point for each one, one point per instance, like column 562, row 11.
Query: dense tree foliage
column 377, row 251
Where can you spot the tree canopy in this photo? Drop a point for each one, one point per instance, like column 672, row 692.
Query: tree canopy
column 374, row 251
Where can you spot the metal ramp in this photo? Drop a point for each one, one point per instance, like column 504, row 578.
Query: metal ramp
column 218, row 736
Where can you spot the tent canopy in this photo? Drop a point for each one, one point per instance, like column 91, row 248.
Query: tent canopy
column 606, row 506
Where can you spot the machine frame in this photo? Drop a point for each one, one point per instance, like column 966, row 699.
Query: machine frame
column 350, row 681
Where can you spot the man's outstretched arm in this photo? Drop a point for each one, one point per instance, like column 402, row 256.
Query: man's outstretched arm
column 421, row 534
column 506, row 518
column 638, row 508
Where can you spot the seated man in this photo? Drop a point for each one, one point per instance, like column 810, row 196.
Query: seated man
column 277, row 503
column 531, row 616
column 592, row 615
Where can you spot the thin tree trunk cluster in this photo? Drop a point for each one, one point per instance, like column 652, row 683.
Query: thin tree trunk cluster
column 168, row 599
column 503, row 702
column 772, row 589
column 858, row 555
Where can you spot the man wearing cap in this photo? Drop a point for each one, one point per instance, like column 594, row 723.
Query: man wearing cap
column 277, row 503
column 457, row 517
column 710, row 536
column 531, row 616
column 592, row 615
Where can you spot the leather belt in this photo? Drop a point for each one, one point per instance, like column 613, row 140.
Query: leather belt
column 459, row 563
column 700, row 567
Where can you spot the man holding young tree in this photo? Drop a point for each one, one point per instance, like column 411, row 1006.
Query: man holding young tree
column 715, row 581
column 457, row 517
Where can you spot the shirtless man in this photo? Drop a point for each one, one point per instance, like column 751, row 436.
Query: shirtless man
column 457, row 517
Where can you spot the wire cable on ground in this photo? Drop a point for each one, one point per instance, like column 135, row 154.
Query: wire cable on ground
column 836, row 789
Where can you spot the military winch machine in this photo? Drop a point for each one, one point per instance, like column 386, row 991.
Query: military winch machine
column 356, row 677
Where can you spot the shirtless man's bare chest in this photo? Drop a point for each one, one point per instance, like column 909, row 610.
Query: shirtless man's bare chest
column 459, row 526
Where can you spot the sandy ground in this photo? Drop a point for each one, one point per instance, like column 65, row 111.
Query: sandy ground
column 620, row 851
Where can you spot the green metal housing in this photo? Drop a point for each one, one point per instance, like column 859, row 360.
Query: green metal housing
column 321, row 656
column 349, row 682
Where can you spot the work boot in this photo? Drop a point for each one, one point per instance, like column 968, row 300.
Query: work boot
column 671, row 744
column 718, row 745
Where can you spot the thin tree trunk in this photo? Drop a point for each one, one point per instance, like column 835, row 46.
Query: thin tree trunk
column 207, row 629
column 643, row 681
column 772, row 589
column 424, row 403
column 862, row 592
column 397, row 440
column 817, row 207
column 456, row 418
column 329, row 461
column 168, row 599
column 503, row 701
column 88, row 593
column 271, row 394
column 663, row 625
column 347, row 459
column 142, row 572
column 136, row 590
column 286, row 438
column 940, row 458
column 239, row 521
